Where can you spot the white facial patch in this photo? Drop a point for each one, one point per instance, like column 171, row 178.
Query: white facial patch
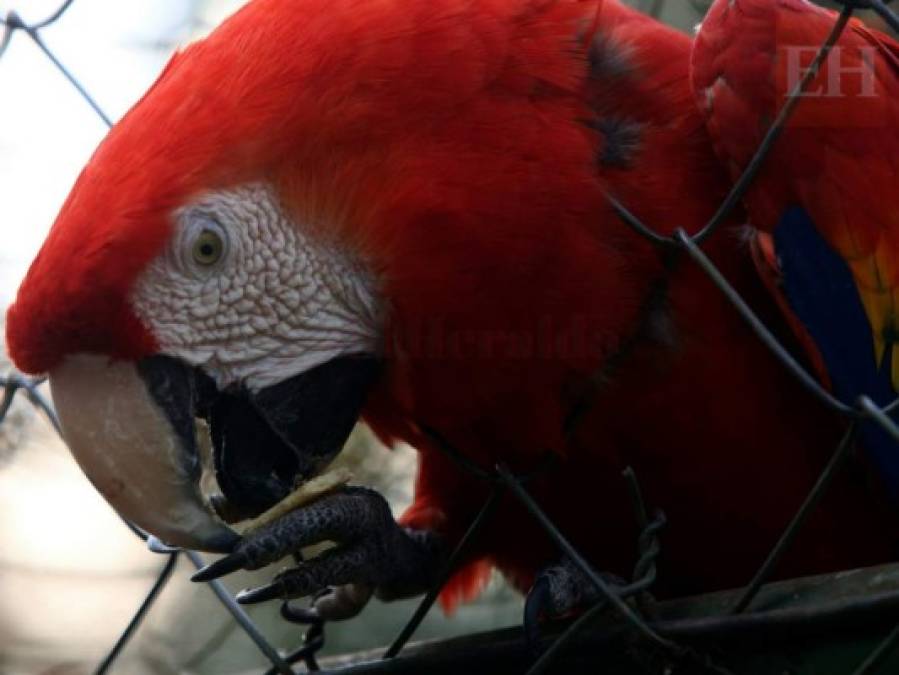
column 245, row 292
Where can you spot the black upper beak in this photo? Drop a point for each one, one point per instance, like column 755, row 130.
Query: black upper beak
column 268, row 441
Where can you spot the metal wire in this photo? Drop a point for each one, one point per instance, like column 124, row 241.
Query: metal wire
column 884, row 13
column 613, row 598
column 449, row 568
column 142, row 611
column 503, row 482
column 808, row 506
column 644, row 577
column 880, row 653
column 15, row 383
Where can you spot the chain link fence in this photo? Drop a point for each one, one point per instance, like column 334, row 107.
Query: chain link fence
column 628, row 604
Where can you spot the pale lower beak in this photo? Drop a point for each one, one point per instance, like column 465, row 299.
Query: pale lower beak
column 142, row 459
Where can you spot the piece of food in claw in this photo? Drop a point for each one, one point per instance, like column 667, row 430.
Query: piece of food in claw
column 308, row 492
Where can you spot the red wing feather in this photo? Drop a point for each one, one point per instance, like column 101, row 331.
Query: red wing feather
column 837, row 157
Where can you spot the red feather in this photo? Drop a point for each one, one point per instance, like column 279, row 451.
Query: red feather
column 836, row 156
column 465, row 150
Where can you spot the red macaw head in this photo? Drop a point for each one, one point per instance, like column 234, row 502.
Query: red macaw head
column 243, row 246
column 193, row 271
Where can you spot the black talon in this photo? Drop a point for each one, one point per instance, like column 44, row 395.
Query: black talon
column 536, row 604
column 251, row 596
column 302, row 615
column 157, row 546
column 228, row 564
column 372, row 551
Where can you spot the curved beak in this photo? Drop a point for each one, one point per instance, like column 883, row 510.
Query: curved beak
column 134, row 437
column 132, row 428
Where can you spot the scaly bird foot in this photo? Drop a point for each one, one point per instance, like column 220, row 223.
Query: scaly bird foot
column 559, row 591
column 373, row 555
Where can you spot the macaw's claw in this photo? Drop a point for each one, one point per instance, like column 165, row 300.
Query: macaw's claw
column 558, row 592
column 227, row 565
column 335, row 603
column 339, row 603
column 155, row 545
column 306, row 616
column 537, row 600
column 373, row 555
column 337, row 567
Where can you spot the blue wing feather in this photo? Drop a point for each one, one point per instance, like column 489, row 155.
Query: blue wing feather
column 821, row 291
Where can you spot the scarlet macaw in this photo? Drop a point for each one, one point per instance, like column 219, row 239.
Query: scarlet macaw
column 397, row 209
column 826, row 234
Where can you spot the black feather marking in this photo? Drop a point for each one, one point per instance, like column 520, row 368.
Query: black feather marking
column 609, row 57
column 620, row 141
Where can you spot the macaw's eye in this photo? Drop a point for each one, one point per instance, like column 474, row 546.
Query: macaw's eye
column 208, row 248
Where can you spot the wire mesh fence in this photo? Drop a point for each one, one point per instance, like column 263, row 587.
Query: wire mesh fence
column 627, row 602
